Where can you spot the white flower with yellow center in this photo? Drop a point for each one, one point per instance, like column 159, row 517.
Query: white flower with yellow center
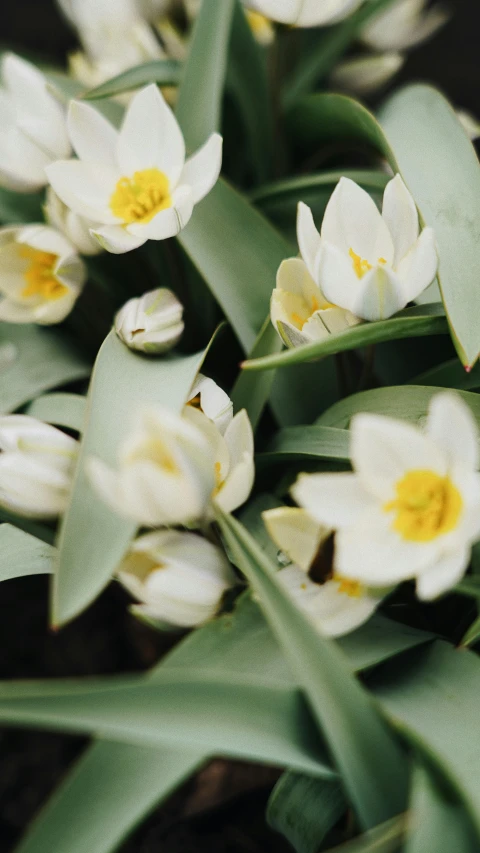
column 404, row 24
column 135, row 182
column 75, row 228
column 369, row 263
column 33, row 132
column 298, row 309
column 41, row 276
column 304, row 13
column 412, row 507
column 179, row 578
column 337, row 605
column 151, row 323
column 37, row 464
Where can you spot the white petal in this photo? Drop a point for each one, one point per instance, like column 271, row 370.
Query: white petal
column 308, row 237
column 364, row 74
column 444, row 575
column 340, row 284
column 419, row 268
column 335, row 500
column 85, row 188
column 93, row 137
column 452, row 426
column 169, row 222
column 201, row 171
column 14, row 312
column 214, row 402
column 353, row 221
column 400, row 214
column 150, row 137
column 296, row 533
column 116, row 240
column 381, row 293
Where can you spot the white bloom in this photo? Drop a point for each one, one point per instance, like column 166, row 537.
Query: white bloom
column 298, row 309
column 151, row 323
column 404, row 24
column 134, row 182
column 369, row 263
column 213, row 401
column 179, row 578
column 336, row 605
column 36, row 467
column 412, row 507
column 32, row 126
column 304, row 13
column 75, row 228
column 172, row 467
column 41, row 276
column 365, row 74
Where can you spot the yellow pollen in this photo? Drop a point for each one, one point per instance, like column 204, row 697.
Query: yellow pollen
column 298, row 320
column 382, row 261
column 361, row 266
column 39, row 276
column 141, row 197
column 218, row 479
column 353, row 589
column 426, row 506
column 258, row 23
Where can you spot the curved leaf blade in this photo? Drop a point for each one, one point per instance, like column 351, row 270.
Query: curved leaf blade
column 307, row 443
column 305, row 809
column 22, row 554
column 67, row 410
column 165, row 72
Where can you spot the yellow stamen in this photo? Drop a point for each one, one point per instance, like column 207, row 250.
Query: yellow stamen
column 259, row 24
column 360, row 265
column 218, row 479
column 158, row 452
column 427, row 505
column 141, row 197
column 39, row 276
column 353, row 589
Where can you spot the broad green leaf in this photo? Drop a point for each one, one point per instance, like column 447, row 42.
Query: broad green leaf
column 22, row 554
column 305, row 809
column 66, row 410
column 386, row 838
column 410, row 323
column 370, row 762
column 42, row 359
column 165, row 72
column 425, row 135
column 407, row 402
column 20, row 207
column 252, row 391
column 437, row 822
column 450, row 374
column 306, row 443
column 92, row 537
column 109, row 791
column 203, row 80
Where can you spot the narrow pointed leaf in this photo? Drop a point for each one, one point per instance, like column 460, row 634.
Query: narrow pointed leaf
column 165, row 72
column 305, row 809
column 22, row 554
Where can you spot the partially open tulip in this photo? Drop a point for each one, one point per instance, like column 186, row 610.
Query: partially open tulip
column 304, row 13
column 36, row 467
column 41, row 276
column 151, row 323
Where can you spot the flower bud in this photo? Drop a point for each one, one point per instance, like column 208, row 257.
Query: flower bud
column 152, row 323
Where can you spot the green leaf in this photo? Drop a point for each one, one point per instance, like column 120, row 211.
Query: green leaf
column 305, row 809
column 66, row 410
column 165, row 72
column 252, row 391
column 306, row 443
column 41, row 359
column 302, row 188
column 410, row 323
column 472, row 635
column 386, row 838
column 407, row 402
column 372, row 767
column 122, row 381
column 425, row 135
column 201, row 89
column 65, row 88
column 437, row 821
column 109, row 791
column 22, row 554
column 450, row 374
column 19, row 208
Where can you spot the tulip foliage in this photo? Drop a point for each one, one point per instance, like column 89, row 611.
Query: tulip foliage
column 262, row 421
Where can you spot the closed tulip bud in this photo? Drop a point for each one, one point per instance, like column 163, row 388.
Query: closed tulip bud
column 36, row 467
column 152, row 323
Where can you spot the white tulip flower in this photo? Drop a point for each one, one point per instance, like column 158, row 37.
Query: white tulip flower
column 304, row 13
column 75, row 228
column 134, row 182
column 411, row 509
column 36, row 467
column 298, row 309
column 33, row 132
column 336, row 605
column 179, row 578
column 41, row 276
column 213, row 401
column 363, row 75
column 403, row 25
column 151, row 323
column 369, row 263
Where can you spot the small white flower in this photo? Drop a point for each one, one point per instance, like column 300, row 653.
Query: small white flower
column 363, row 75
column 412, row 507
column 152, row 323
column 213, row 401
column 75, row 228
column 304, row 13
column 336, row 605
column 179, row 578
column 298, row 309
column 134, row 182
column 403, row 25
column 36, row 467
column 41, row 276
column 369, row 263
column 33, row 133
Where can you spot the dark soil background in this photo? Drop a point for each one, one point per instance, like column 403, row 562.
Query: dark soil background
column 221, row 810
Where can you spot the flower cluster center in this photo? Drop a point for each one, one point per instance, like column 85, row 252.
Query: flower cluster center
column 348, row 587
column 426, row 506
column 141, row 197
column 39, row 276
column 362, row 266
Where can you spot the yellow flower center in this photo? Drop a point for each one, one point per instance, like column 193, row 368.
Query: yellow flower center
column 305, row 309
column 426, row 506
column 158, row 452
column 259, row 24
column 353, row 589
column 140, row 198
column 39, row 276
column 360, row 265
column 219, row 481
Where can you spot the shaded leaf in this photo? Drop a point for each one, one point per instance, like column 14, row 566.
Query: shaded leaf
column 305, row 809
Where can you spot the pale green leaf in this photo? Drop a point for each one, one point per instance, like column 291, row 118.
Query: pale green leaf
column 66, row 410
column 306, row 444
column 437, row 821
column 165, row 72
column 450, row 374
column 22, row 554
